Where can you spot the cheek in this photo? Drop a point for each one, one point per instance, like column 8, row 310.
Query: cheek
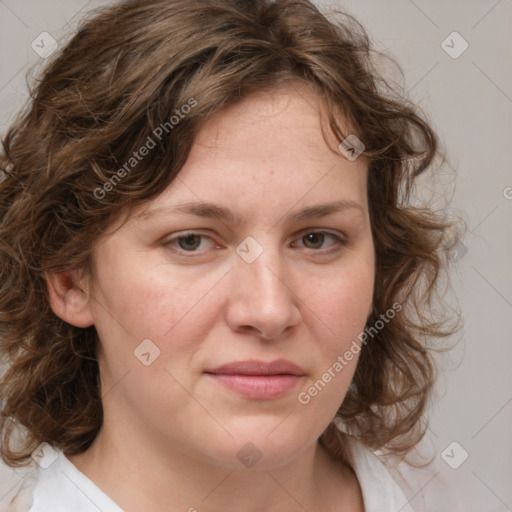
column 339, row 309
column 342, row 303
column 139, row 301
column 340, row 313
column 147, row 299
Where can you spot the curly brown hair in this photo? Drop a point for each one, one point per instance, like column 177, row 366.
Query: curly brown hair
column 120, row 77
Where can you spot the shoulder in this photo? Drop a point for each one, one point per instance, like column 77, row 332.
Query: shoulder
column 36, row 490
column 16, row 488
column 381, row 492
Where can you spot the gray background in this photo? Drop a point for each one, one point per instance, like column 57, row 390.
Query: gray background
column 469, row 101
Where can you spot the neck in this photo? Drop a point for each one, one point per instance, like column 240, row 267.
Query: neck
column 151, row 478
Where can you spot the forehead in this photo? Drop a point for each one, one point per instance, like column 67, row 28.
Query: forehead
column 274, row 122
column 266, row 153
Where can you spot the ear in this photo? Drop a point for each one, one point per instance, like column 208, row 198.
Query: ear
column 69, row 298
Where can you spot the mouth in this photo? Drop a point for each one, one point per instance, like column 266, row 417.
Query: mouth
column 258, row 380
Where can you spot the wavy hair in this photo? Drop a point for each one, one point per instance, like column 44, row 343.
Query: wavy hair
column 126, row 71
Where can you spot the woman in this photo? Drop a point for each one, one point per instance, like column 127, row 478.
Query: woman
column 216, row 293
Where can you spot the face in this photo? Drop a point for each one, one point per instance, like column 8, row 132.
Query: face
column 223, row 305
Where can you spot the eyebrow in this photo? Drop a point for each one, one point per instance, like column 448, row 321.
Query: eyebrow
column 212, row 210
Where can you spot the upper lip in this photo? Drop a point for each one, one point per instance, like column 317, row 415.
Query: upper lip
column 255, row 367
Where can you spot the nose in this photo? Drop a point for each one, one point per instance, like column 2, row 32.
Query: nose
column 262, row 299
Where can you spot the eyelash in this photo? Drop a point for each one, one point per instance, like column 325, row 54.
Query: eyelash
column 339, row 242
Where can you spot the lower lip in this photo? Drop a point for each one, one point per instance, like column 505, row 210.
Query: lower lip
column 259, row 387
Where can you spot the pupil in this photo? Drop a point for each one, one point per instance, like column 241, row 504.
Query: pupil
column 314, row 239
column 189, row 242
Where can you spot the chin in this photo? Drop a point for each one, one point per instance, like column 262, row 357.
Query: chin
column 264, row 445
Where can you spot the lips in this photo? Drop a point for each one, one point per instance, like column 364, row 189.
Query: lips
column 258, row 379
column 253, row 367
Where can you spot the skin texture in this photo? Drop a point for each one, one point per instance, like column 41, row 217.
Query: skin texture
column 171, row 433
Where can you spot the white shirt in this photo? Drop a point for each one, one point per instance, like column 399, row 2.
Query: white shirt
column 61, row 487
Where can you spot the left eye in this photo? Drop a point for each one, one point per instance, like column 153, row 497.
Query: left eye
column 316, row 239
